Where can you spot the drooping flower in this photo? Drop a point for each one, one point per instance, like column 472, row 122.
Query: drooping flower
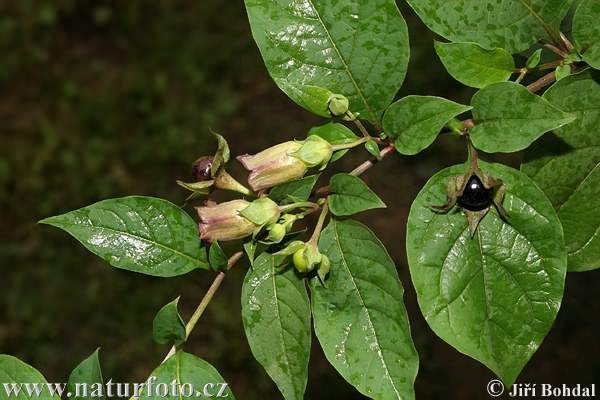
column 223, row 221
column 285, row 162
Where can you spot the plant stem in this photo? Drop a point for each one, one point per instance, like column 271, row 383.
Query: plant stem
column 361, row 128
column 344, row 146
column 317, row 232
column 554, row 49
column 203, row 304
column 298, row 205
column 542, row 82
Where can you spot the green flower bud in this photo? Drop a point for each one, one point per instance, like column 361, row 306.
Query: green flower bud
column 315, row 151
column 261, row 212
column 338, row 105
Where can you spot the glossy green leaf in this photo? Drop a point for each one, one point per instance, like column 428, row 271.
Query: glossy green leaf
column 350, row 195
column 359, row 314
column 168, row 326
column 415, row 121
column 193, row 377
column 23, row 381
column 355, row 48
column 217, row 258
column 513, row 25
column 86, row 379
column 509, row 118
column 474, row 66
column 566, row 166
column 372, row 147
column 315, row 99
column 493, row 297
column 586, row 31
column 534, row 59
column 334, row 133
column 293, row 191
column 140, row 234
column 276, row 316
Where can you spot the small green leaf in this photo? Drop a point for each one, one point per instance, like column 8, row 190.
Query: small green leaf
column 217, row 258
column 86, row 376
column 359, row 314
column 534, row 59
column 562, row 71
column 566, row 166
column 495, row 296
column 334, row 133
column 372, row 148
column 513, row 25
column 415, row 121
column 586, row 31
column 221, row 156
column 168, row 326
column 15, row 375
column 350, row 195
column 250, row 249
column 509, row 118
column 293, row 191
column 313, row 98
column 359, row 49
column 276, row 316
column 193, row 377
column 474, row 66
column 140, row 234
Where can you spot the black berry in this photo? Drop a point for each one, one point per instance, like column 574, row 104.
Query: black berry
column 475, row 197
column 201, row 169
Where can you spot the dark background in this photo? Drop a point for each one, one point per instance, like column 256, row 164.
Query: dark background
column 103, row 99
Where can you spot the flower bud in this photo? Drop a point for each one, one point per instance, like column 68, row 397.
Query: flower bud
column 315, row 151
column 261, row 212
column 278, row 230
column 273, row 166
column 223, row 221
column 338, row 105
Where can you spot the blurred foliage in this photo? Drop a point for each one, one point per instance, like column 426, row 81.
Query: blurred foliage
column 104, row 99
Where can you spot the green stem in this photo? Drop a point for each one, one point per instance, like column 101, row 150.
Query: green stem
column 361, row 128
column 298, row 205
column 319, row 226
column 203, row 304
column 344, row 146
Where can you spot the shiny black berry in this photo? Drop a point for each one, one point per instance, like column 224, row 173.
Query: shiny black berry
column 475, row 197
column 201, row 169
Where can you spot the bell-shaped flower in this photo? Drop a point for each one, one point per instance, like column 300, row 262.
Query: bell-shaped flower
column 223, row 221
column 285, row 162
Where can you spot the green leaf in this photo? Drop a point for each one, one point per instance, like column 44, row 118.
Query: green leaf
column 350, row 195
column 168, row 326
column 566, row 166
column 193, row 377
column 140, row 234
column 315, row 99
column 474, row 66
column 534, row 59
column 586, row 31
column 415, row 121
column 562, row 71
column 334, row 133
column 217, row 258
column 359, row 315
column 509, row 118
column 276, row 316
column 355, row 48
column 592, row 56
column 250, row 249
column 493, row 297
column 86, row 379
column 293, row 191
column 372, row 148
column 513, row 25
column 17, row 375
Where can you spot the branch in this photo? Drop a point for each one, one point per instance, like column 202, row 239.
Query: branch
column 325, row 190
column 203, row 304
column 542, row 82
